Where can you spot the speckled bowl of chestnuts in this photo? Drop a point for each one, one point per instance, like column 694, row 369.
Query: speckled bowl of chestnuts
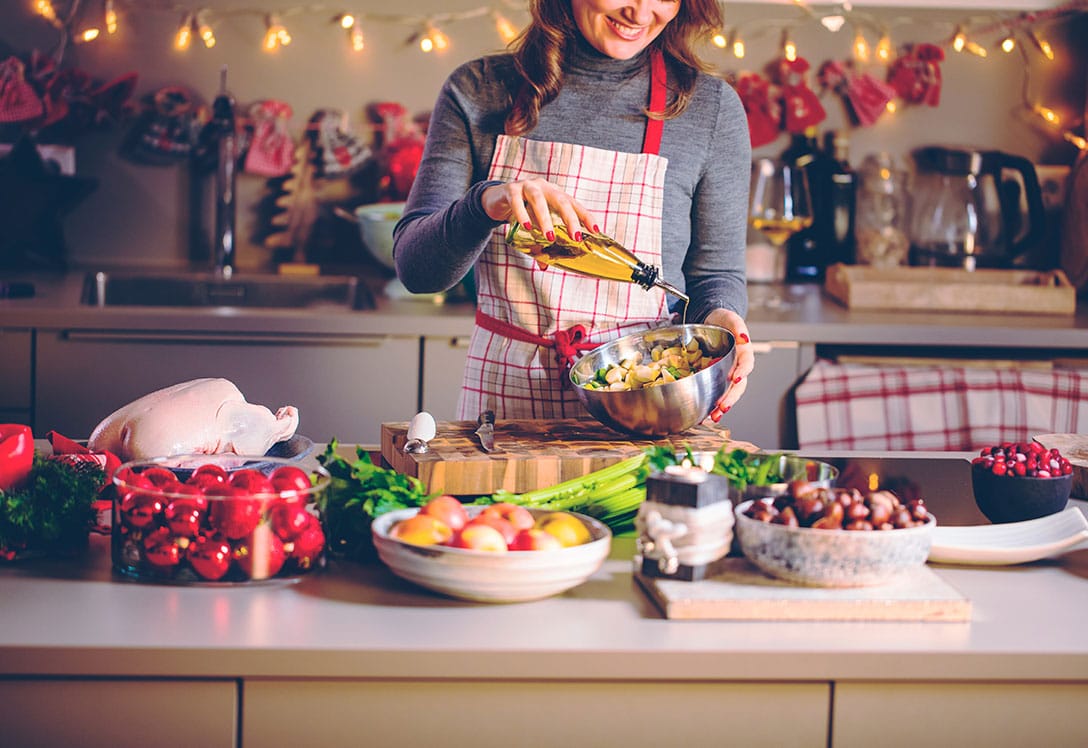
column 834, row 537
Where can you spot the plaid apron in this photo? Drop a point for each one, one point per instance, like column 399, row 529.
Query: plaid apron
column 532, row 322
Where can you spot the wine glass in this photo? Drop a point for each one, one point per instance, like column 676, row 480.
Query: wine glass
column 779, row 207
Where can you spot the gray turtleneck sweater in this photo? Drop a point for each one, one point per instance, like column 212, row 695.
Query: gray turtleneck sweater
column 444, row 228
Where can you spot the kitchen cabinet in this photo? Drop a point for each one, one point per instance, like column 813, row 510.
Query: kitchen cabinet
column 764, row 416
column 343, row 386
column 15, row 375
column 532, row 713
column 903, row 714
column 442, row 370
column 107, row 711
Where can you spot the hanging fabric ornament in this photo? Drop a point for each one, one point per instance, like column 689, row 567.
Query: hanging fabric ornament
column 867, row 97
column 167, row 131
column 19, row 102
column 916, row 75
column 763, row 113
column 800, row 106
column 271, row 151
column 338, row 151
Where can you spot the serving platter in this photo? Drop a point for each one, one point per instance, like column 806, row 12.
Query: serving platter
column 1012, row 542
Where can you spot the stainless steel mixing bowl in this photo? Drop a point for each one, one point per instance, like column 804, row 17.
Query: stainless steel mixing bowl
column 664, row 409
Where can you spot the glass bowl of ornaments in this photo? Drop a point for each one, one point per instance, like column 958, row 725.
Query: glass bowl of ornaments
column 217, row 519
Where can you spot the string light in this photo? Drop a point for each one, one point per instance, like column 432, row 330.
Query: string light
column 1042, row 44
column 432, row 39
column 861, row 47
column 884, row 48
column 88, row 34
column 45, row 9
column 959, row 39
column 738, row 46
column 356, row 36
column 789, row 49
column 1076, row 140
column 1049, row 115
column 975, row 48
column 110, row 17
column 719, row 40
column 204, row 29
column 183, row 37
column 506, row 30
column 276, row 35
column 1008, row 44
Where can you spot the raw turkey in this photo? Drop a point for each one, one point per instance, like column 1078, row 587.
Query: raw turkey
column 201, row 416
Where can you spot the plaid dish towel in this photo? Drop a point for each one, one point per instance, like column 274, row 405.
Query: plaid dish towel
column 859, row 406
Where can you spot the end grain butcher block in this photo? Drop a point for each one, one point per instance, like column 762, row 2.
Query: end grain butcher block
column 740, row 592
column 1074, row 447
column 529, row 454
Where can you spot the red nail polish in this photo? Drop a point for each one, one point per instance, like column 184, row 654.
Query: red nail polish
column 737, row 379
column 551, row 236
column 528, row 226
column 715, row 415
column 726, row 409
column 577, row 236
column 744, row 338
column 596, row 229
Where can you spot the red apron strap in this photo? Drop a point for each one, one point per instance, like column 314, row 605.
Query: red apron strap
column 568, row 344
column 652, row 142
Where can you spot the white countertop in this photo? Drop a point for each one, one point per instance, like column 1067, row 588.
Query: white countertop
column 74, row 617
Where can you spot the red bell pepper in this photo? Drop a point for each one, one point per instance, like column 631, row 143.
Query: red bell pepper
column 16, row 454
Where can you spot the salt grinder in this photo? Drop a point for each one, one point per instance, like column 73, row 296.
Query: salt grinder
column 685, row 525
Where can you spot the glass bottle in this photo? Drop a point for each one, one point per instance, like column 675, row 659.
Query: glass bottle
column 836, row 225
column 803, row 260
column 597, row 256
column 882, row 214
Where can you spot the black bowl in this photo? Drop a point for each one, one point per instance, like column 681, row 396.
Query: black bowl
column 1003, row 498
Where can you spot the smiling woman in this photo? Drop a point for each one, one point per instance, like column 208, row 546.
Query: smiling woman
column 622, row 29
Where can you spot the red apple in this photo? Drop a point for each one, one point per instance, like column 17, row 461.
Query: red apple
column 520, row 517
column 534, row 539
column 507, row 530
column 421, row 529
column 480, row 536
column 210, row 556
column 448, row 509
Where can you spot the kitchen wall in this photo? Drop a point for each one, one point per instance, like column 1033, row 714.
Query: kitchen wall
column 147, row 216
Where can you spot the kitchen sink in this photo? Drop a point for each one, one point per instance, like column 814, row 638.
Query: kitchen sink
column 211, row 289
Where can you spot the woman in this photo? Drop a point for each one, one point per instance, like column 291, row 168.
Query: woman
column 603, row 117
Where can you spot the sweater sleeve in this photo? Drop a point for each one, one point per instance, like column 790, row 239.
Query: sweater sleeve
column 714, row 268
column 444, row 227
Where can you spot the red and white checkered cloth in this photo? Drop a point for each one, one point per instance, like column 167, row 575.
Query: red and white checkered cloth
column 859, row 406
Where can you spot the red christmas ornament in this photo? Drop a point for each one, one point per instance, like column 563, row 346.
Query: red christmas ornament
column 162, row 549
column 232, row 512
column 210, row 556
column 800, row 106
column 140, row 510
column 763, row 113
column 916, row 75
column 261, row 555
column 184, row 515
column 307, row 550
column 289, row 518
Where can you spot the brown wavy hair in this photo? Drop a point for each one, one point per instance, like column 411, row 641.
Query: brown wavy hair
column 538, row 56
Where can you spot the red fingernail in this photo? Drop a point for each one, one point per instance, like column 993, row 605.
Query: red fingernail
column 726, row 409
column 596, row 229
column 528, row 226
column 551, row 236
column 715, row 415
column 744, row 338
column 577, row 236
column 736, row 379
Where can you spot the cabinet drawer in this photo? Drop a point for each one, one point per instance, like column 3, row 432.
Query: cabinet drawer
column 161, row 713
column 343, row 387
column 15, row 368
column 443, row 370
column 547, row 714
column 995, row 714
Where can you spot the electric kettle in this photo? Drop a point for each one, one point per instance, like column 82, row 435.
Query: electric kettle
column 973, row 208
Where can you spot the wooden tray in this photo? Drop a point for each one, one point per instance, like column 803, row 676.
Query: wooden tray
column 740, row 592
column 531, row 453
column 951, row 289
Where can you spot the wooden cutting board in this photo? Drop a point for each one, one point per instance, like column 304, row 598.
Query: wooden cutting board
column 530, row 454
column 1074, row 447
column 740, row 592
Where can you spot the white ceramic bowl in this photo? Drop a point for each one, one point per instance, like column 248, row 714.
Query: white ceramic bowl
column 832, row 558
column 481, row 576
column 376, row 222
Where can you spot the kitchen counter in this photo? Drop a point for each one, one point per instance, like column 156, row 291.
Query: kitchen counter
column 316, row 643
column 807, row 316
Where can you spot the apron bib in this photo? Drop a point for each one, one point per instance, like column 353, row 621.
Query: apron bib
column 527, row 315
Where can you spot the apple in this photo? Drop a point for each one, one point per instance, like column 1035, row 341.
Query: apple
column 480, row 536
column 421, row 529
column 567, row 529
column 448, row 509
column 507, row 530
column 518, row 516
column 535, row 539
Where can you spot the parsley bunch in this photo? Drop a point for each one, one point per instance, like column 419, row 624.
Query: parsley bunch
column 52, row 510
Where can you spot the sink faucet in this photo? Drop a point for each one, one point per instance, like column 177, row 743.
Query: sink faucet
column 226, row 164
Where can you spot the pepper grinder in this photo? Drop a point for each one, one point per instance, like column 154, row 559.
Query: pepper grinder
column 685, row 525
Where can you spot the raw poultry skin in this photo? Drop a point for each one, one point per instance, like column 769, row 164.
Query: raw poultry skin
column 201, row 416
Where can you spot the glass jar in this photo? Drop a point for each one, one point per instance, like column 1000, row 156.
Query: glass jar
column 882, row 213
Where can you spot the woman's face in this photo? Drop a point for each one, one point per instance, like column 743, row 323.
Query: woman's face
column 622, row 28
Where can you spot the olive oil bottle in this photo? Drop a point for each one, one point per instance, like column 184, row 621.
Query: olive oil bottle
column 597, row 256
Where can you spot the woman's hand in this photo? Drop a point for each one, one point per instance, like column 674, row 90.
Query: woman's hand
column 744, row 359
column 532, row 202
